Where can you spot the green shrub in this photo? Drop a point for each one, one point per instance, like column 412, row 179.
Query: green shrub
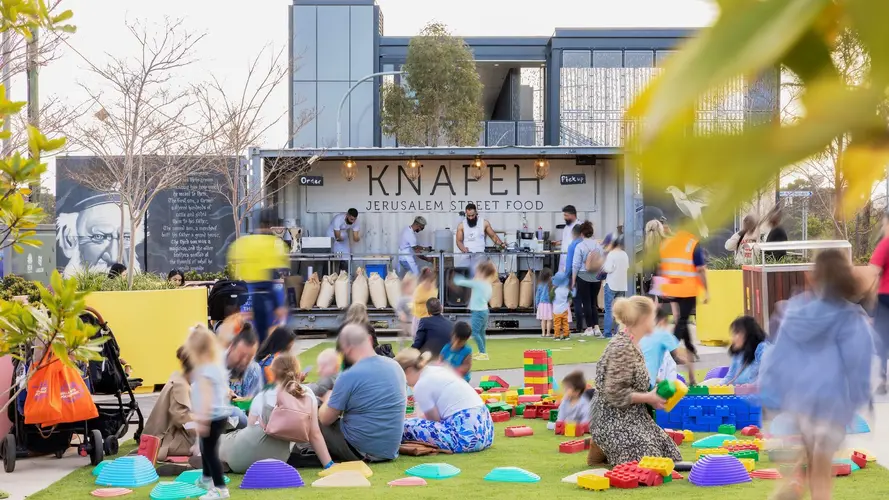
column 14, row 286
column 226, row 274
column 92, row 281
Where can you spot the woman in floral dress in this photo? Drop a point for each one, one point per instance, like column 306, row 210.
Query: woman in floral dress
column 622, row 425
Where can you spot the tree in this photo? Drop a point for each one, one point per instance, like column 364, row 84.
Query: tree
column 145, row 132
column 749, row 37
column 441, row 103
column 237, row 121
column 52, row 326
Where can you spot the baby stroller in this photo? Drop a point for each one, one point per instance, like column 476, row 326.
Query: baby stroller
column 100, row 435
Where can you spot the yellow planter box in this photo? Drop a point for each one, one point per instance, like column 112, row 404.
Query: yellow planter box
column 726, row 303
column 150, row 326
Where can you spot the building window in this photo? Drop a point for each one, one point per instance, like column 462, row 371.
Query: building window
column 608, row 59
column 662, row 56
column 576, row 59
column 639, row 59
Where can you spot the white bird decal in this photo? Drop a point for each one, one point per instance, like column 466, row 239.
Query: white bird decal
column 690, row 202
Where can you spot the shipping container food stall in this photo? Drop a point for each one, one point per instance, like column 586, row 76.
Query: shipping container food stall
column 519, row 191
column 767, row 284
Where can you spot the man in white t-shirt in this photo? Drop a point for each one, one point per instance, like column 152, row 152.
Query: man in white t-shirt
column 408, row 248
column 570, row 215
column 344, row 229
column 472, row 234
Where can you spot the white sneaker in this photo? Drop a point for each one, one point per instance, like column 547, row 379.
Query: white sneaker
column 586, row 333
column 597, row 333
column 558, row 339
column 216, row 494
column 204, row 483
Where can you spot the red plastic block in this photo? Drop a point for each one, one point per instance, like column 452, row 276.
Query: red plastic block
column 677, row 475
column 530, row 398
column 497, row 390
column 479, row 390
column 742, row 447
column 859, row 459
column 621, row 480
column 587, row 443
column 500, row 416
column 583, row 429
column 677, row 437
column 571, row 446
column 530, row 412
column 560, row 428
column 148, row 447
column 544, row 414
column 842, row 469
column 494, row 378
column 519, row 431
column 650, row 478
column 750, row 430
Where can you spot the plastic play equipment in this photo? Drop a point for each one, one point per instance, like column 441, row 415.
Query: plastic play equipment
column 718, row 470
column 512, row 475
column 433, row 471
column 128, row 472
column 269, row 474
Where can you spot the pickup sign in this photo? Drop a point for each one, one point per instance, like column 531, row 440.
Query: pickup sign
column 572, row 179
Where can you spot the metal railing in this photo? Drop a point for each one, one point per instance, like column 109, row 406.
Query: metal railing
column 500, row 133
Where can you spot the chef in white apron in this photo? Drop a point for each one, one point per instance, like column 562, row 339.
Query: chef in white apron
column 407, row 247
column 344, row 229
column 472, row 233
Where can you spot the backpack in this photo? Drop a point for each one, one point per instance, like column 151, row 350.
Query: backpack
column 291, row 418
column 226, row 293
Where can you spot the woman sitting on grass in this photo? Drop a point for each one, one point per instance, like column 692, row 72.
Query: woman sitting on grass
column 622, row 428
column 455, row 418
column 748, row 347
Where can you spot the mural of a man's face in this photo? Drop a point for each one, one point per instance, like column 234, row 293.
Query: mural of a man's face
column 93, row 237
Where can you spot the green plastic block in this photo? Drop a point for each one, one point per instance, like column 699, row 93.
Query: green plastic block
column 499, row 406
column 536, row 368
column 520, row 409
column 699, row 390
column 726, row 429
column 668, row 478
column 553, row 415
column 507, row 407
column 489, row 385
column 745, row 454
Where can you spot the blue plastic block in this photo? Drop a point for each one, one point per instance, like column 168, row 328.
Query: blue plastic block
column 722, row 411
column 675, row 416
column 695, row 411
column 858, row 426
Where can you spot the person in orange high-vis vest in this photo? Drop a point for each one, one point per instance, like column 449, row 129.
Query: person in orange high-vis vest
column 684, row 270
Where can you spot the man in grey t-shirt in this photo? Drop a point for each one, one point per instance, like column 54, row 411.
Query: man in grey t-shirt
column 371, row 399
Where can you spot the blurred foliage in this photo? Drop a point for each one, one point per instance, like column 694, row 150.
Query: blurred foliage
column 752, row 37
column 226, row 274
column 441, row 105
column 16, row 286
column 92, row 281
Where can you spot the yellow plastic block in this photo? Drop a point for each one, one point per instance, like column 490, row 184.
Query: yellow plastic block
column 663, row 466
column 593, row 482
column 748, row 463
column 529, row 391
column 689, row 436
column 486, row 378
column 355, row 466
column 681, row 391
column 529, row 361
column 700, row 452
column 743, row 442
column 511, row 397
column 722, row 390
column 488, row 396
column 570, row 429
column 536, row 380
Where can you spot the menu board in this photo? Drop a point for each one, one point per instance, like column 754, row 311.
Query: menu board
column 190, row 228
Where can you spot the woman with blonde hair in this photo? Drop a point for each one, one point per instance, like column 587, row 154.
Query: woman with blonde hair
column 622, row 427
column 455, row 419
column 242, row 448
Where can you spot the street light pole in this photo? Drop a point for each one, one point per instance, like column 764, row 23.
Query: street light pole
column 339, row 111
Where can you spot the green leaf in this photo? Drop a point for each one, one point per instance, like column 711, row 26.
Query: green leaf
column 869, row 18
column 749, row 40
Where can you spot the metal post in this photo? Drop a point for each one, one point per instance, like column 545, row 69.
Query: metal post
column 339, row 111
column 33, row 95
column 805, row 219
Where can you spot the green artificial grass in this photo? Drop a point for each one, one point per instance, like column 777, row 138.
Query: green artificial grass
column 506, row 353
column 538, row 454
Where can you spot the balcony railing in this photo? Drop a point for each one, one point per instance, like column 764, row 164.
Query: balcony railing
column 500, row 133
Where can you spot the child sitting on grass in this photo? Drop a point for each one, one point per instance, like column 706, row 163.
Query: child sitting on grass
column 662, row 343
column 457, row 353
column 575, row 405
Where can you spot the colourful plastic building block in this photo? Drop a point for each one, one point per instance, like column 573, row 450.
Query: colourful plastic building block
column 560, row 428
column 520, row 409
column 689, row 435
column 500, row 416
column 745, row 389
column 741, row 447
column 575, row 446
column 744, row 454
column 722, row 390
column 676, row 475
column 479, row 390
column 663, row 466
column 511, row 397
column 543, row 413
column 698, row 390
column 766, row 474
column 676, row 436
column 757, row 443
column 530, row 412
column 750, row 430
column 702, row 452
column 593, row 482
column 519, row 431
column 553, row 415
column 842, row 469
column 583, row 429
column 571, row 429
column 148, row 447
column 860, row 459
column 748, row 463
column 529, row 398
column 487, row 386
column 494, row 378
column 726, row 429
column 672, row 391
column 622, row 480
column 650, row 478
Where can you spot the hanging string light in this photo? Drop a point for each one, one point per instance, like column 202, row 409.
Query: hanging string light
column 349, row 170
column 413, row 169
column 477, row 168
column 541, row 168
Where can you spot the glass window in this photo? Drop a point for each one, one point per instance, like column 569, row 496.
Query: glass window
column 608, row 59
column 639, row 59
column 662, row 56
column 576, row 59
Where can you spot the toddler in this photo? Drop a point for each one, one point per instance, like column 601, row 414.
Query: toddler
column 661, row 345
column 209, row 395
column 543, row 302
column 404, row 309
column 478, row 303
column 561, row 307
column 457, row 353
column 575, row 405
column 424, row 291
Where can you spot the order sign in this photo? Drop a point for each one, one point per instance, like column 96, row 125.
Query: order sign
column 572, row 179
column 311, row 180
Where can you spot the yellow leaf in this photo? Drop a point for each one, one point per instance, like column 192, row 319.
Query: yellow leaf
column 869, row 22
column 863, row 166
column 749, row 40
